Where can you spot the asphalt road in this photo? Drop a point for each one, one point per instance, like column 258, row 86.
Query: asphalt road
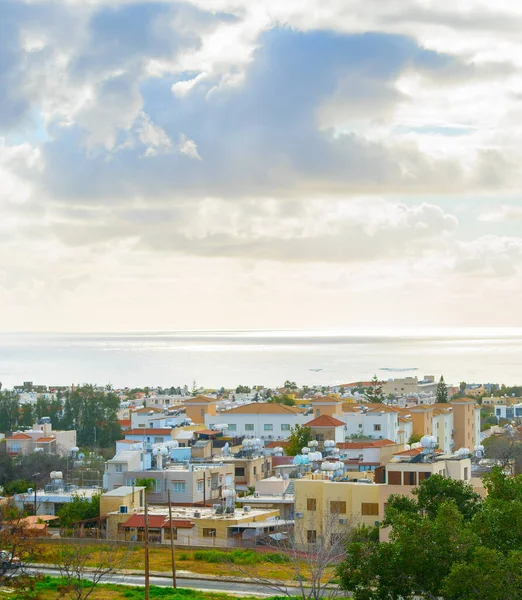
column 230, row 587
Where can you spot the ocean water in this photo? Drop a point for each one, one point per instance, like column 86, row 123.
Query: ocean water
column 229, row 358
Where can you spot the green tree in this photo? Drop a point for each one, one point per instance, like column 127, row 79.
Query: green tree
column 282, row 399
column 374, row 392
column 298, row 439
column 437, row 489
column 442, row 391
column 414, row 439
column 290, row 385
column 9, row 410
column 79, row 509
column 148, row 483
column 415, row 562
column 488, row 574
column 462, row 386
column 26, row 417
column 243, row 389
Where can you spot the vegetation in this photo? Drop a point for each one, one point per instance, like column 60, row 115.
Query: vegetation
column 80, row 509
column 441, row 395
column 414, row 439
column 282, row 399
column 298, row 439
column 243, row 389
column 374, row 392
column 446, row 542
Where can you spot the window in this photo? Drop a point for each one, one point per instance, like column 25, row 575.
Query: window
column 118, row 468
column 394, row 478
column 249, row 427
column 200, row 486
column 285, row 427
column 377, row 427
column 232, row 427
column 268, row 427
column 338, row 507
column 369, row 508
column 158, row 440
column 208, row 532
column 410, row 478
column 255, row 470
column 311, row 504
column 466, row 473
column 240, row 471
column 158, row 486
column 178, row 486
column 311, row 536
column 130, row 482
column 424, row 475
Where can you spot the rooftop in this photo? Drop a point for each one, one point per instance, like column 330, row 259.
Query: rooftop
column 124, row 490
column 325, row 421
column 263, row 408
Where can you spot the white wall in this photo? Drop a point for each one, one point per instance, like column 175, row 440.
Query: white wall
column 266, row 427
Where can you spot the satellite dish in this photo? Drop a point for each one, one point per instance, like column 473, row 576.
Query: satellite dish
column 81, row 456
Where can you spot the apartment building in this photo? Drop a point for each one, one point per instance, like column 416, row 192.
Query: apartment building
column 410, row 385
column 322, row 504
column 266, row 421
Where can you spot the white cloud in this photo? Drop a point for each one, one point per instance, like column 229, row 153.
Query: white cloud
column 504, row 213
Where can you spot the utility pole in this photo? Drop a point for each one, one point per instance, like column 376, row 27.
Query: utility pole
column 35, row 475
column 147, row 568
column 172, row 551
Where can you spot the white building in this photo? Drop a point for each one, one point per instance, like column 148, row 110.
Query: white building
column 375, row 421
column 443, row 428
column 266, row 421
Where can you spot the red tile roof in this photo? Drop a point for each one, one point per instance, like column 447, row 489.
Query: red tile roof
column 324, row 421
column 19, row 436
column 275, row 444
column 125, row 423
column 157, row 522
column 363, row 444
column 45, row 439
column 146, row 431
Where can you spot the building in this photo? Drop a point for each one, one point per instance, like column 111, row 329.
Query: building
column 189, row 484
column 41, row 438
column 372, row 420
column 124, row 499
column 327, row 427
column 196, row 527
column 409, row 385
column 273, row 493
column 466, row 421
column 200, row 409
column 323, row 504
column 264, row 420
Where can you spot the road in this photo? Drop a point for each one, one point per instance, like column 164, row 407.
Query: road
column 229, row 587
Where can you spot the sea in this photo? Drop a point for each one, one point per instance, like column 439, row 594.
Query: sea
column 228, row 358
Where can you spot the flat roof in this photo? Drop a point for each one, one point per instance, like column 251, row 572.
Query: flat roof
column 124, row 490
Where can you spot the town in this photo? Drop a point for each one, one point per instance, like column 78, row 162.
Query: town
column 244, row 469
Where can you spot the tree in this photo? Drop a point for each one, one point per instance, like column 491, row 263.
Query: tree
column 374, row 392
column 290, row 385
column 488, row 574
column 437, row 489
column 309, row 555
column 9, row 411
column 282, row 399
column 441, row 394
column 79, row 509
column 416, row 560
column 148, row 483
column 505, row 449
column 243, row 389
column 462, row 386
column 82, row 568
column 298, row 439
column 414, row 439
column 18, row 548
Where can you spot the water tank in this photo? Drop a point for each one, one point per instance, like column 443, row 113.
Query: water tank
column 56, row 475
column 247, row 508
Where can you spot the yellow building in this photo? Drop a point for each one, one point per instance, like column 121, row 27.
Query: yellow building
column 129, row 497
column 195, row 526
column 200, row 406
column 466, row 422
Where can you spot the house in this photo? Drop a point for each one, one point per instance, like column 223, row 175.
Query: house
column 124, row 499
column 41, row 437
column 264, row 420
column 327, row 427
column 273, row 493
column 372, row 420
column 196, row 527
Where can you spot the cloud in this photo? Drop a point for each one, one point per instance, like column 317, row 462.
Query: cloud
column 504, row 213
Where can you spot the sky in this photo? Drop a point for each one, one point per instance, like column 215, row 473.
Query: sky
column 230, row 164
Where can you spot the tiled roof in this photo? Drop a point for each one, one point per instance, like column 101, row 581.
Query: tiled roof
column 324, row 421
column 19, row 436
column 125, row 441
column 363, row 444
column 199, row 399
column 147, row 409
column 262, row 408
column 45, row 439
column 157, row 522
column 326, row 399
column 275, row 444
column 146, row 431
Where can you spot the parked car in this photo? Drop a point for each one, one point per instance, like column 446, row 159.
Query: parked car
column 8, row 561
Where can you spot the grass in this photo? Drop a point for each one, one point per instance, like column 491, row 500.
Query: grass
column 48, row 589
column 203, row 562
